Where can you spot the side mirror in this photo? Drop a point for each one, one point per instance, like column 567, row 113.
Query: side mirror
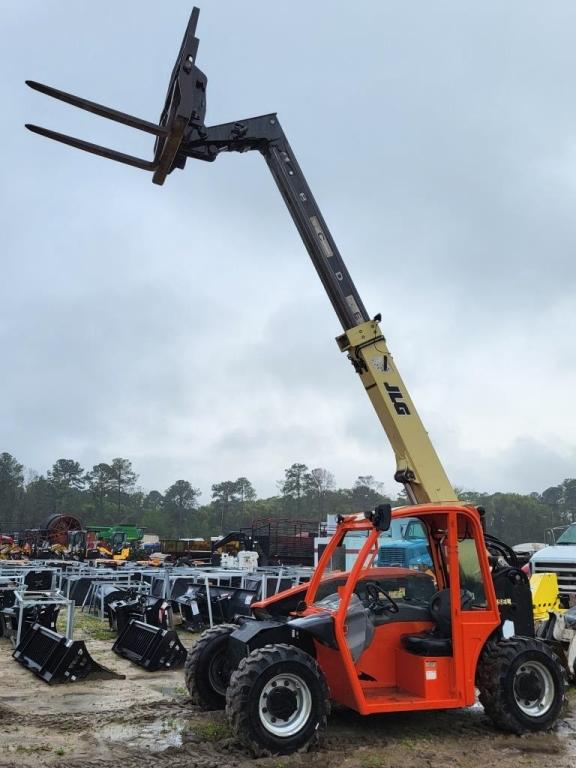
column 380, row 517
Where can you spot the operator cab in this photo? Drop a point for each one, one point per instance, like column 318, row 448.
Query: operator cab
column 408, row 630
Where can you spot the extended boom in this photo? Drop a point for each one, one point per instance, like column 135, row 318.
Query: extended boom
column 182, row 134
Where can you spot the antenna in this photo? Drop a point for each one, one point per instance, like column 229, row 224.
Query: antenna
column 184, row 109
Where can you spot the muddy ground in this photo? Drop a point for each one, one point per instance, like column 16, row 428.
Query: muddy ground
column 148, row 720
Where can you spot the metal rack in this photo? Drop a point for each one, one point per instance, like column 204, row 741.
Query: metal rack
column 35, row 599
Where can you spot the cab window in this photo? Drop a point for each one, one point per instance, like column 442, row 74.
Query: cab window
column 415, row 530
column 471, row 575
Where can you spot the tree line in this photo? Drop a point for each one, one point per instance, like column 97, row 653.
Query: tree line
column 109, row 493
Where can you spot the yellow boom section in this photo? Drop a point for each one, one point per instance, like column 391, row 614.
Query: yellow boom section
column 417, row 463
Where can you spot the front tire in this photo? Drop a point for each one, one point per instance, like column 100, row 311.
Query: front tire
column 522, row 684
column 277, row 701
column 207, row 670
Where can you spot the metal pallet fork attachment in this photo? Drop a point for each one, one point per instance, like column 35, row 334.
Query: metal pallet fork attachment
column 55, row 659
column 184, row 107
column 150, row 647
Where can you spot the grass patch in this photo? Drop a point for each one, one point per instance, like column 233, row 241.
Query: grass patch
column 373, row 761
column 91, row 627
column 32, row 750
column 212, row 731
column 100, row 633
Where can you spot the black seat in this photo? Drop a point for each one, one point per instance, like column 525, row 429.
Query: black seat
column 427, row 644
column 437, row 641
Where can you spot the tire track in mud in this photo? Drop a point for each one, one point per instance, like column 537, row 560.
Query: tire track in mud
column 179, row 759
column 80, row 721
column 194, row 754
column 228, row 753
column 431, row 740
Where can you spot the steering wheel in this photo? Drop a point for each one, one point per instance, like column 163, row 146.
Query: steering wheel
column 375, row 601
column 498, row 549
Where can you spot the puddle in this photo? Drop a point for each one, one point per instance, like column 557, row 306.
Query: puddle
column 172, row 691
column 156, row 736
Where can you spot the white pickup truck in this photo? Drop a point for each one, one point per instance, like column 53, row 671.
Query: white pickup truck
column 561, row 560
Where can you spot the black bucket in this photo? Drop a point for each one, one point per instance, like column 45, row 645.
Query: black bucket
column 55, row 659
column 150, row 647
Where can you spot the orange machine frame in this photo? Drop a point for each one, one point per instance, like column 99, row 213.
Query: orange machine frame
column 386, row 677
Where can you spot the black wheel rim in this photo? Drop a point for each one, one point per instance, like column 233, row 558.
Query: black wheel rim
column 219, row 672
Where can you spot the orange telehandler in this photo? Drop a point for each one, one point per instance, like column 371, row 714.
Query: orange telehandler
column 372, row 639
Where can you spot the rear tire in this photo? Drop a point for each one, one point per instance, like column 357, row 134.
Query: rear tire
column 277, row 701
column 207, row 670
column 522, row 684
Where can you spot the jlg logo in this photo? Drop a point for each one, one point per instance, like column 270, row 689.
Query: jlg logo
column 396, row 396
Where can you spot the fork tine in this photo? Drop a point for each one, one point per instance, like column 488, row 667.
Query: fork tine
column 94, row 149
column 98, row 109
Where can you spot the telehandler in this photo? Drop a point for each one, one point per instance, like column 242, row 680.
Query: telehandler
column 375, row 639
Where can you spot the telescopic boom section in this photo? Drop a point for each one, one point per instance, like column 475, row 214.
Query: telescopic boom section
column 314, row 232
column 181, row 134
column 417, row 464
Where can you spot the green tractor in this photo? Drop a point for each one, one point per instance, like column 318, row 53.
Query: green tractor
column 116, row 542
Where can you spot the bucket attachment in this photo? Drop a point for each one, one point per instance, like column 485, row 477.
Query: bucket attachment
column 120, row 613
column 44, row 615
column 158, row 613
column 189, row 605
column 55, row 659
column 226, row 603
column 150, row 647
column 105, row 594
column 146, row 608
column 39, row 580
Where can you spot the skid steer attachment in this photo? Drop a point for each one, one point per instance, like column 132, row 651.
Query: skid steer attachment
column 200, row 607
column 150, row 647
column 189, row 607
column 146, row 608
column 45, row 615
column 55, row 659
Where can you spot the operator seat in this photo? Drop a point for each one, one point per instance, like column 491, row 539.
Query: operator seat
column 438, row 640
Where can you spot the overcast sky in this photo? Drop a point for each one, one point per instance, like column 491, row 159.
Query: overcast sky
column 183, row 327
